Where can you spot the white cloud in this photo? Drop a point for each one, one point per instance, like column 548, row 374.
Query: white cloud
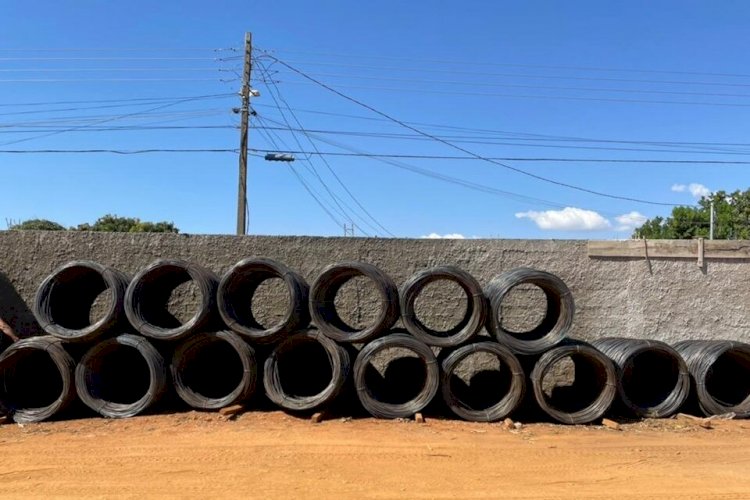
column 567, row 219
column 630, row 221
column 449, row 236
column 695, row 189
column 698, row 190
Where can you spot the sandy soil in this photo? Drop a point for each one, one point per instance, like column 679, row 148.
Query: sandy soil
column 264, row 455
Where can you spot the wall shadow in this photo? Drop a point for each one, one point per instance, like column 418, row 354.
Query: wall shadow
column 15, row 312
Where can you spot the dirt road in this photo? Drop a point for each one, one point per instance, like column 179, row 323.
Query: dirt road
column 264, row 455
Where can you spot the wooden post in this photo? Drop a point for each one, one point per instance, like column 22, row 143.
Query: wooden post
column 245, row 113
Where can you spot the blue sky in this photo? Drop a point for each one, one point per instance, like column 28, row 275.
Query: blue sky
column 561, row 81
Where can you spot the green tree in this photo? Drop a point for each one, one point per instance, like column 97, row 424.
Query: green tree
column 731, row 219
column 108, row 223
column 113, row 223
column 37, row 225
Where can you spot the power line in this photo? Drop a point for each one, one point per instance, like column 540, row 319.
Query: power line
column 446, row 178
column 525, row 136
column 108, row 58
column 311, row 167
column 528, row 96
column 471, row 153
column 106, row 106
column 501, row 142
column 101, row 101
column 193, row 113
column 509, row 158
column 453, row 71
column 127, row 128
column 521, row 86
column 328, row 166
column 118, row 49
column 82, row 80
column 119, row 117
column 115, row 151
column 307, row 188
column 99, row 70
column 474, row 186
column 337, row 202
column 494, row 63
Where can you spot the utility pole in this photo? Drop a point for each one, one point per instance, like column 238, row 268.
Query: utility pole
column 711, row 225
column 244, row 116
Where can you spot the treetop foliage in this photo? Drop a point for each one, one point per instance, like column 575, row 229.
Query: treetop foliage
column 731, row 219
column 107, row 223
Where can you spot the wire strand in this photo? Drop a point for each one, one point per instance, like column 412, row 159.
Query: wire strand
column 471, row 153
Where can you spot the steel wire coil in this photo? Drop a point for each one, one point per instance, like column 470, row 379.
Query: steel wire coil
column 406, row 393
column 147, row 297
column 64, row 300
column 720, row 370
column 557, row 320
column 502, row 397
column 306, row 371
column 211, row 370
column 323, row 294
column 474, row 317
column 652, row 378
column 592, row 392
column 121, row 377
column 236, row 291
column 37, row 379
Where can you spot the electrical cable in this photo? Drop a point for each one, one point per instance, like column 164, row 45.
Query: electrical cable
column 328, row 166
column 304, row 184
column 505, row 158
column 335, row 198
column 471, row 153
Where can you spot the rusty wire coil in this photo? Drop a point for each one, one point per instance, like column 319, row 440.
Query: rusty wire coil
column 146, row 299
column 474, row 316
column 323, row 293
column 652, row 378
column 64, row 300
column 211, row 370
column 306, row 371
column 499, row 400
column 593, row 391
column 557, row 320
column 121, row 376
column 720, row 370
column 236, row 291
column 37, row 379
column 413, row 394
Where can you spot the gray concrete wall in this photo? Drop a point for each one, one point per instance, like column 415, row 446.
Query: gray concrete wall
column 663, row 299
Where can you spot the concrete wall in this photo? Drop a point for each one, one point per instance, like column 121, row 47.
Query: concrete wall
column 663, row 299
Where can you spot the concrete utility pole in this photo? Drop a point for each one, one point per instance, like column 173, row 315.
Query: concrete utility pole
column 711, row 225
column 244, row 116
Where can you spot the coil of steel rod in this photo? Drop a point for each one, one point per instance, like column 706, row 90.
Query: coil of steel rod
column 496, row 396
column 557, row 319
column 147, row 299
column 720, row 370
column 212, row 370
column 592, row 392
column 652, row 378
column 474, row 316
column 306, row 371
column 323, row 294
column 121, row 376
column 67, row 298
column 406, row 384
column 237, row 289
column 37, row 375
